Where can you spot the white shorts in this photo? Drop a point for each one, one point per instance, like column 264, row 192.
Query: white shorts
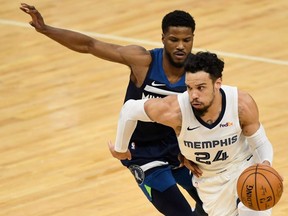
column 219, row 193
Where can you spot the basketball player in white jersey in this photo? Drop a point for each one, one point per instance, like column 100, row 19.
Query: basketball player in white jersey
column 218, row 130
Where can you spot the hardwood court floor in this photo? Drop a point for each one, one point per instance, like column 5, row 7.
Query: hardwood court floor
column 58, row 108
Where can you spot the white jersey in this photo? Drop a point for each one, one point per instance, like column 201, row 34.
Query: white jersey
column 216, row 147
column 221, row 152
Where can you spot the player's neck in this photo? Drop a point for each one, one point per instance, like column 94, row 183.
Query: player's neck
column 172, row 72
column 214, row 110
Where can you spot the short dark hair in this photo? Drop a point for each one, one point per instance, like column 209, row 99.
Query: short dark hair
column 178, row 18
column 205, row 61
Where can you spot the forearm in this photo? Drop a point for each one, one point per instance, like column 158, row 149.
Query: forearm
column 70, row 39
column 131, row 112
column 261, row 146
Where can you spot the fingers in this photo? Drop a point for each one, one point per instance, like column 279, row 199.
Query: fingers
column 119, row 155
column 193, row 167
column 111, row 148
column 110, row 144
column 24, row 5
column 32, row 24
column 37, row 20
column 129, row 156
column 24, row 9
column 197, row 171
column 27, row 8
column 266, row 163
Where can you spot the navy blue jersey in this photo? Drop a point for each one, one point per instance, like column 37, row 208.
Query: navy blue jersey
column 153, row 141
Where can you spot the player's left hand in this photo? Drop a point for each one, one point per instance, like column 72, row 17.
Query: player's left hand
column 190, row 165
column 37, row 20
column 269, row 164
column 119, row 155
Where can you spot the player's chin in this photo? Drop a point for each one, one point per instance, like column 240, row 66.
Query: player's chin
column 178, row 62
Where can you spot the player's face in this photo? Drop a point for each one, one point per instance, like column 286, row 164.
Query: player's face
column 201, row 90
column 178, row 42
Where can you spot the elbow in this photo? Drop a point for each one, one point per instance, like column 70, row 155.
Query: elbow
column 134, row 110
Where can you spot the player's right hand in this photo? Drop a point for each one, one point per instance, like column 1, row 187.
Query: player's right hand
column 119, row 155
column 37, row 20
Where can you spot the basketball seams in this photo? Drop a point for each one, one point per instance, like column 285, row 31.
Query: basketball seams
column 272, row 172
column 243, row 185
column 256, row 186
column 244, row 180
column 271, row 187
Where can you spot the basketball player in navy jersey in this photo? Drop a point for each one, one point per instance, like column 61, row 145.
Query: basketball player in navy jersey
column 154, row 73
column 218, row 130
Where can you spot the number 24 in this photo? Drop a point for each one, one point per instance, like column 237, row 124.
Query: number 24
column 204, row 157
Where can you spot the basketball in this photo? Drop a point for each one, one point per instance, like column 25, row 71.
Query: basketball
column 259, row 187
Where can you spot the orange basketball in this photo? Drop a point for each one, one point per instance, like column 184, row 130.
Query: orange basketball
column 259, row 187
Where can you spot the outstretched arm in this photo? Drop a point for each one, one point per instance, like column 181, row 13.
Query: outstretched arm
column 161, row 110
column 78, row 42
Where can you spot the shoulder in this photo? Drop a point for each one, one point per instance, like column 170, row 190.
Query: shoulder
column 138, row 59
column 245, row 100
column 247, row 108
column 134, row 51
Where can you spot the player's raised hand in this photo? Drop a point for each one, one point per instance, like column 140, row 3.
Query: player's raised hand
column 119, row 155
column 37, row 20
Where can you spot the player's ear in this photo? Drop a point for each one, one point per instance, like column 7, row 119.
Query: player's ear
column 162, row 37
column 218, row 83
